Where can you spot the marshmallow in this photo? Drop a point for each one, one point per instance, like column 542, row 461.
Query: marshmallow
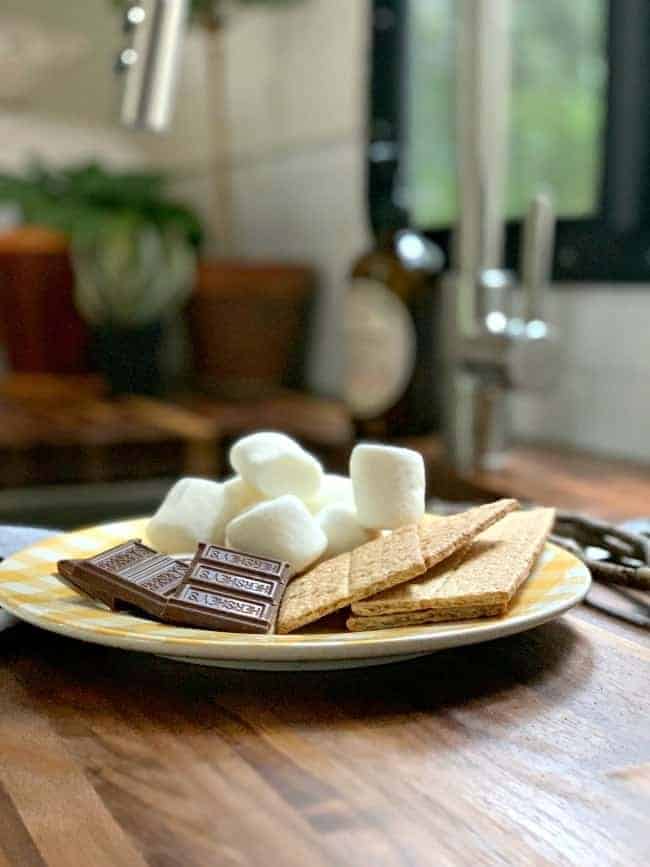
column 342, row 528
column 237, row 496
column 389, row 485
column 334, row 490
column 186, row 516
column 276, row 465
column 280, row 528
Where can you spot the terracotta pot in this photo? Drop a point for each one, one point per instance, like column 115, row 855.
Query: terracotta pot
column 39, row 323
column 249, row 326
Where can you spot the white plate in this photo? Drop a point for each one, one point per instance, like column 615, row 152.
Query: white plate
column 30, row 590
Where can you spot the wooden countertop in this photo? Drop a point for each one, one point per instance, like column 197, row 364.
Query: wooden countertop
column 533, row 749
column 606, row 487
column 601, row 486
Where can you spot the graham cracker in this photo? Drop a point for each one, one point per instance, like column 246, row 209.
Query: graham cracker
column 381, row 564
column 416, row 618
column 442, row 536
column 479, row 582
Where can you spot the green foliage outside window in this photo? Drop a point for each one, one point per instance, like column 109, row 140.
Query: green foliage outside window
column 557, row 107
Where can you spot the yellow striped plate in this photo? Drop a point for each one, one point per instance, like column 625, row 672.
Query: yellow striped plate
column 30, row 589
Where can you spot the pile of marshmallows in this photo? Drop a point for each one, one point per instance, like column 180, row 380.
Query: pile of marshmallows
column 281, row 504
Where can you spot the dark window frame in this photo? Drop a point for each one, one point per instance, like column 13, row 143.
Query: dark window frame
column 611, row 247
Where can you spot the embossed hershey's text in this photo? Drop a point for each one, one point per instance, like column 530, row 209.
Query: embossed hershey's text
column 233, row 581
column 244, row 561
column 226, row 604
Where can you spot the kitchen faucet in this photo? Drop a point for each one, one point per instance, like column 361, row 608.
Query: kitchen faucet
column 150, row 63
column 495, row 337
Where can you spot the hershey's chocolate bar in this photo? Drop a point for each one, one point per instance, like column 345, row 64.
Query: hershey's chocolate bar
column 242, row 590
column 239, row 561
column 221, row 589
column 194, row 605
column 130, row 575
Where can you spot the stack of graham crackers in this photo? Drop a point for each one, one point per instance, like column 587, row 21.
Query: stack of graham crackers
column 453, row 568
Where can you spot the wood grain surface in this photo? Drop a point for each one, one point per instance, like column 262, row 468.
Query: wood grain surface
column 606, row 487
column 529, row 750
column 534, row 749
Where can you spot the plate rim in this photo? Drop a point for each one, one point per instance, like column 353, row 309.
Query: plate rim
column 403, row 640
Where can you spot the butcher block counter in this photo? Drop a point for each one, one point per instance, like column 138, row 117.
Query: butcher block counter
column 532, row 749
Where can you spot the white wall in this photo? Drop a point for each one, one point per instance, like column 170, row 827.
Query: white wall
column 295, row 88
column 602, row 401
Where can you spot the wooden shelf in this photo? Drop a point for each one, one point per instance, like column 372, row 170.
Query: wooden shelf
column 59, row 429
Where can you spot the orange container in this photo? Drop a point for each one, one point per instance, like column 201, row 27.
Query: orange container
column 249, row 326
column 39, row 323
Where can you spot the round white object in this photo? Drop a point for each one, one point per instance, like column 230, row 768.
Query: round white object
column 334, row 490
column 276, row 465
column 282, row 529
column 237, row 496
column 342, row 528
column 379, row 347
column 186, row 516
column 389, row 485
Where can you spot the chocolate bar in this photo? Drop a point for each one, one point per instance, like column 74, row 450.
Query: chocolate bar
column 130, row 575
column 220, row 589
column 238, row 561
column 229, row 590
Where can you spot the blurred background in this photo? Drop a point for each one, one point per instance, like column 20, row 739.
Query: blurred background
column 423, row 221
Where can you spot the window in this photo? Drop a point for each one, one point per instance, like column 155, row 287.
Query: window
column 578, row 129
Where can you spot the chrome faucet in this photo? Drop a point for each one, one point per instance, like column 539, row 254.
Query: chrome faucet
column 495, row 335
column 151, row 60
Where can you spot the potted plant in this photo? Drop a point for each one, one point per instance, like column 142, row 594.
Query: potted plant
column 133, row 251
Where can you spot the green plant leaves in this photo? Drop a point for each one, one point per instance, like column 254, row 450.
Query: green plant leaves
column 133, row 249
column 87, row 201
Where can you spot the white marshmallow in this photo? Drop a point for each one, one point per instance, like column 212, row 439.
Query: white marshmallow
column 237, row 496
column 186, row 516
column 280, row 528
column 334, row 490
column 389, row 485
column 276, row 465
column 342, row 528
